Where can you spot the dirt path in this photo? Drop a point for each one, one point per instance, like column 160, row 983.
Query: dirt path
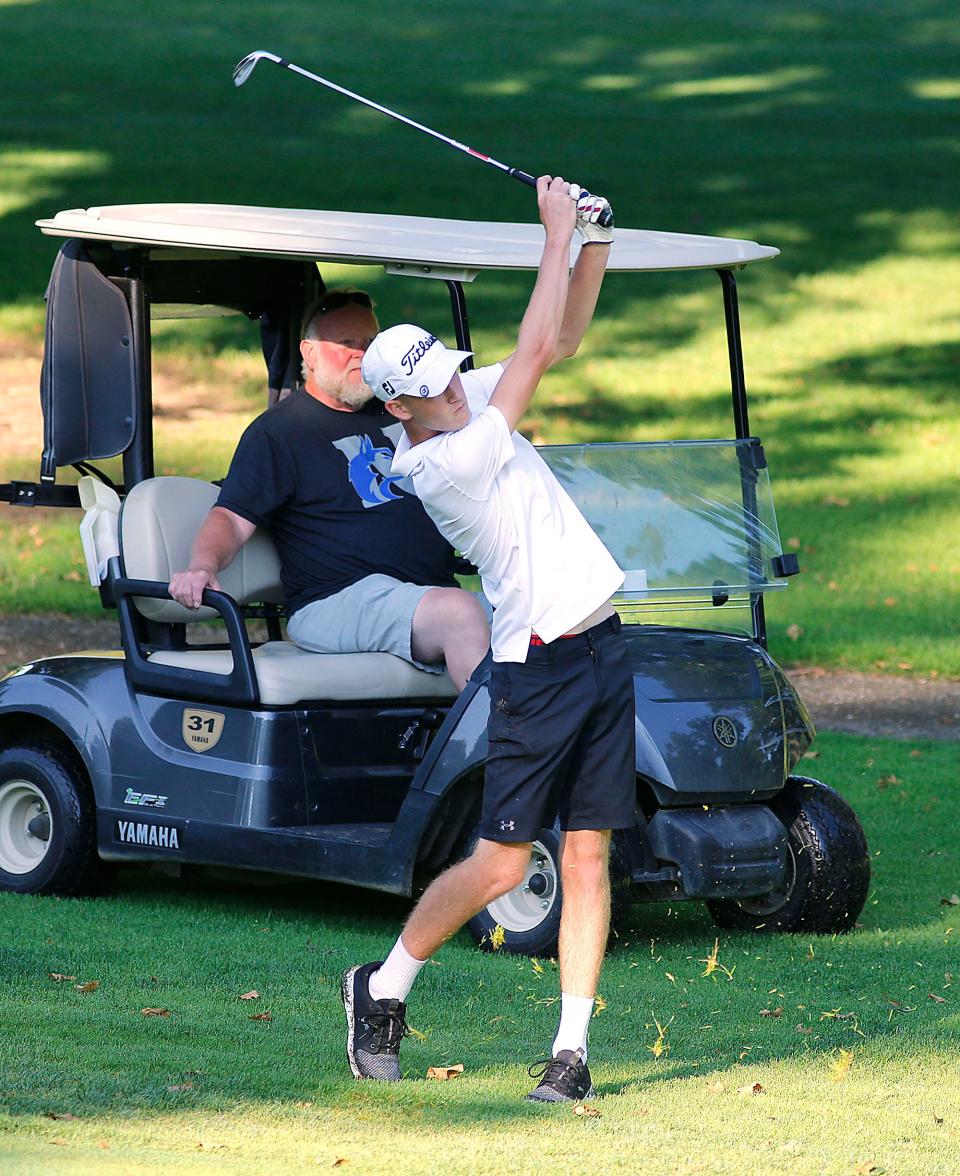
column 839, row 700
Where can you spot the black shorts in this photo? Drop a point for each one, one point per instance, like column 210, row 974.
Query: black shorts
column 561, row 738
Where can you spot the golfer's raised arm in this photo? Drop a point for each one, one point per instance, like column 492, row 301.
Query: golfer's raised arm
column 543, row 320
column 587, row 276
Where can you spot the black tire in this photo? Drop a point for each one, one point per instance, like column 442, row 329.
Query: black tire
column 523, row 929
column 48, row 834
column 828, row 875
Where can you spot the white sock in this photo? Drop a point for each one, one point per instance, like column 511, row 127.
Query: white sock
column 395, row 977
column 575, row 1014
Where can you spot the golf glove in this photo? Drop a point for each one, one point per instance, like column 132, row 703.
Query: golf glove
column 589, row 209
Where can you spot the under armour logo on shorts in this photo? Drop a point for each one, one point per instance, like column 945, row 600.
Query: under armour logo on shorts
column 507, row 826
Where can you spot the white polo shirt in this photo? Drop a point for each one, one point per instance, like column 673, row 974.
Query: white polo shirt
column 495, row 499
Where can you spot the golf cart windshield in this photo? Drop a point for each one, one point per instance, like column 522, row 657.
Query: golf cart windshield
column 692, row 523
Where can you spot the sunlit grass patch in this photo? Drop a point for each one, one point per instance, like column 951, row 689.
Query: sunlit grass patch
column 28, row 174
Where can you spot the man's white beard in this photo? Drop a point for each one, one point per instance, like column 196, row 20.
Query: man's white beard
column 354, row 394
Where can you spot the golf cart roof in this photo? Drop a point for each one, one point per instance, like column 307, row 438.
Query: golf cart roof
column 370, row 238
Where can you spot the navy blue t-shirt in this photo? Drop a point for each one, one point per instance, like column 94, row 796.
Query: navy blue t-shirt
column 320, row 480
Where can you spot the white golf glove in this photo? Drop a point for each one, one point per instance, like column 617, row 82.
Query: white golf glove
column 589, row 210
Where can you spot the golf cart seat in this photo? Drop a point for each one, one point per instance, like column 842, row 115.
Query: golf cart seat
column 159, row 520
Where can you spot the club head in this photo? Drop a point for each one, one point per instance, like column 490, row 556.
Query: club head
column 245, row 67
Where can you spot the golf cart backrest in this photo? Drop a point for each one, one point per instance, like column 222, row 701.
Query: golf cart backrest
column 89, row 379
column 159, row 521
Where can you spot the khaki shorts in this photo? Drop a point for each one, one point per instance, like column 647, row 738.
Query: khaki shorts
column 375, row 615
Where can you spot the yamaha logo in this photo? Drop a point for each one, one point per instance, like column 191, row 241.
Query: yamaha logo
column 724, row 731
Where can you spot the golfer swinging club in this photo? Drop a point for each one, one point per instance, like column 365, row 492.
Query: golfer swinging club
column 561, row 727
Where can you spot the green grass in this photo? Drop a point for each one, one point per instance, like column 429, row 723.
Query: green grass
column 264, row 1096
column 831, row 132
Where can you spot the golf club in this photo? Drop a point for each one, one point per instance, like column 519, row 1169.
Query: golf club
column 248, row 64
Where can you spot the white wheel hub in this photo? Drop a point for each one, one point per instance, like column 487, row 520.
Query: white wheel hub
column 527, row 905
column 26, row 826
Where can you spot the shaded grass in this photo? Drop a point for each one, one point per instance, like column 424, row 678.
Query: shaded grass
column 266, row 1094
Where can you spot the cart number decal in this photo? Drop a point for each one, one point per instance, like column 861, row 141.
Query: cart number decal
column 201, row 729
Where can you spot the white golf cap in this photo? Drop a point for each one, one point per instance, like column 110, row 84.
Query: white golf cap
column 408, row 361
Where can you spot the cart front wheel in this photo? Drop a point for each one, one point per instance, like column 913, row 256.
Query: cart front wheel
column 827, row 877
column 48, row 841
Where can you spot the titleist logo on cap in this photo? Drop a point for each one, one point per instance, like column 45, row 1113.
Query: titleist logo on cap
column 416, row 353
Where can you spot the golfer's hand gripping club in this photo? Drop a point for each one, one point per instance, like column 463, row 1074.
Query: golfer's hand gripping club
column 594, row 216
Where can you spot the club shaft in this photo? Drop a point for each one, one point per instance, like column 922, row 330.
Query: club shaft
column 511, row 171
column 515, row 172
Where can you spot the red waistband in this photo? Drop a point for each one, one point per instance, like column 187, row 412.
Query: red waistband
column 535, row 640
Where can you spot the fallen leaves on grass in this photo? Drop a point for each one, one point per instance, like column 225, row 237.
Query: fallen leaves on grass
column 599, row 1004
column 90, row 986
column 713, row 963
column 716, row 1087
column 661, row 1046
column 154, row 1012
column 444, row 1073
column 777, row 1012
column 840, row 1065
column 179, row 1087
column 938, row 999
column 266, row 1015
column 338, row 1161
column 251, row 995
column 64, row 1116
column 751, row 1088
column 794, row 632
column 586, row 1111
column 867, row 1168
column 58, row 976
column 953, row 900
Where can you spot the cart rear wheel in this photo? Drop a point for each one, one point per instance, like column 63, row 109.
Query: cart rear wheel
column 828, row 867
column 526, row 920
column 48, row 841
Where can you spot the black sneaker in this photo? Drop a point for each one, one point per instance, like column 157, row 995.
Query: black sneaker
column 564, row 1078
column 375, row 1028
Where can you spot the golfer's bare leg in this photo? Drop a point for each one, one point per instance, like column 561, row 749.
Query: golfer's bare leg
column 449, row 625
column 460, row 892
column 585, row 915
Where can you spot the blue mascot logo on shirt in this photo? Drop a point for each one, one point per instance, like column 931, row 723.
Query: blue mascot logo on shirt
column 368, row 468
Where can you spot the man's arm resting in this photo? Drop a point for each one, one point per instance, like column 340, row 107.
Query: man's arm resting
column 219, row 539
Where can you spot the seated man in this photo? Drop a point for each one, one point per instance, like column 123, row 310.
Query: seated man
column 363, row 567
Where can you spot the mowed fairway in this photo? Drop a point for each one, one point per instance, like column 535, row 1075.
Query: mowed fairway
column 830, row 131
column 814, row 1054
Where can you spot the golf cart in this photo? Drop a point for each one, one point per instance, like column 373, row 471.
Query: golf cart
column 359, row 768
